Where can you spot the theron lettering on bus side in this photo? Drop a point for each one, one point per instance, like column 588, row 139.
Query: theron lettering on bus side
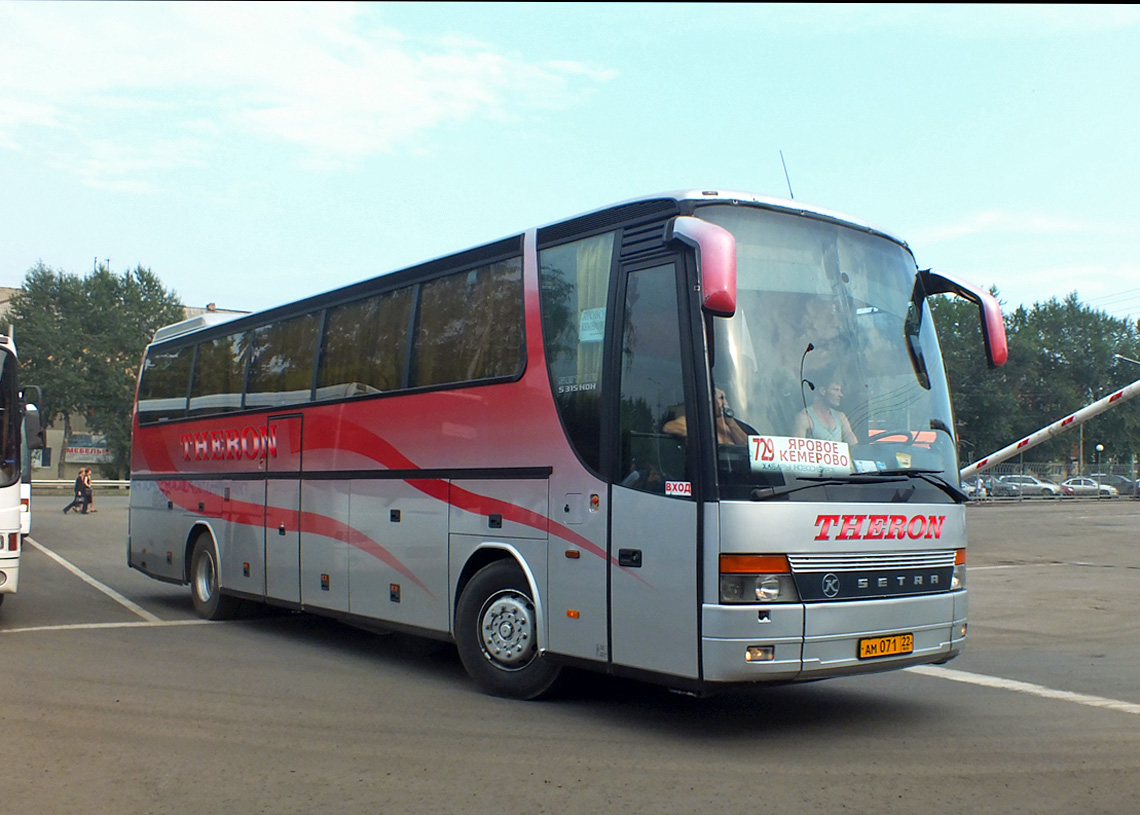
column 878, row 527
column 230, row 444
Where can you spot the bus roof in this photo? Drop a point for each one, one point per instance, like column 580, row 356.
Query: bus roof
column 681, row 197
column 192, row 324
column 774, row 203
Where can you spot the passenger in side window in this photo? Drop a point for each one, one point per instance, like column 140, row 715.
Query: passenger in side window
column 728, row 429
column 645, row 477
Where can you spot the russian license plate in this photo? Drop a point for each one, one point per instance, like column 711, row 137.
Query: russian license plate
column 893, row 645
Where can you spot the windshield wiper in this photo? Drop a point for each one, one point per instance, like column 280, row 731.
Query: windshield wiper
column 766, row 493
column 934, row 477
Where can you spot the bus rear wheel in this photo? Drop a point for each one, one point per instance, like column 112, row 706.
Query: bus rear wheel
column 496, row 632
column 209, row 602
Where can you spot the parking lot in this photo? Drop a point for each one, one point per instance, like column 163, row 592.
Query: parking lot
column 117, row 699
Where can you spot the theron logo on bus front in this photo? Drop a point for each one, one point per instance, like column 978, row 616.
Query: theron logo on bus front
column 878, row 527
column 231, row 443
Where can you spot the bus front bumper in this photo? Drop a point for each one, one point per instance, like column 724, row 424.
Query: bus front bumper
column 9, row 574
column 800, row 642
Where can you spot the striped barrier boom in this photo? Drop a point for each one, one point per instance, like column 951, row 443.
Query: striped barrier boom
column 1044, row 434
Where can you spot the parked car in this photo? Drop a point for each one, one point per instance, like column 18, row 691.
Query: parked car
column 1088, row 488
column 1123, row 484
column 974, row 488
column 1031, row 485
column 990, row 487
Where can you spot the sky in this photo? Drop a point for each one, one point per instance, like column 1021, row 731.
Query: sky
column 251, row 155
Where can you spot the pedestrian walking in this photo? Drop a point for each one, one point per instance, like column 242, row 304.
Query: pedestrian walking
column 80, row 492
column 88, row 493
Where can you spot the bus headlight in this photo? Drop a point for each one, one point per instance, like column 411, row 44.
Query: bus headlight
column 756, row 579
column 958, row 580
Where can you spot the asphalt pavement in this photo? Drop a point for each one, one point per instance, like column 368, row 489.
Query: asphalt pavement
column 119, row 700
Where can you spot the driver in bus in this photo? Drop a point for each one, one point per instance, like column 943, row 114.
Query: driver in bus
column 824, row 420
column 728, row 429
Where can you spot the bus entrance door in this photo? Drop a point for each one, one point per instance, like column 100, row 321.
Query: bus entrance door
column 653, row 533
column 282, row 456
column 654, row 619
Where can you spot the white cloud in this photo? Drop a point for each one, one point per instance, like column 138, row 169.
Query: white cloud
column 964, row 21
column 112, row 165
column 1106, row 287
column 325, row 78
column 997, row 222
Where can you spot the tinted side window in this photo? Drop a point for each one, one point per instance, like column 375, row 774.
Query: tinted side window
column 218, row 375
column 574, row 280
column 365, row 346
column 164, row 383
column 281, row 362
column 470, row 326
column 654, row 426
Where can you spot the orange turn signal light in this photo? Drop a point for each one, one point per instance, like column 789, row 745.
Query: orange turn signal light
column 754, row 564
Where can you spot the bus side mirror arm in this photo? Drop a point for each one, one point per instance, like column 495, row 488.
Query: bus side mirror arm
column 716, row 261
column 993, row 327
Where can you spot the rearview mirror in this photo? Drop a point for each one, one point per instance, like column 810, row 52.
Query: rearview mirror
column 33, row 428
column 716, row 261
column 993, row 327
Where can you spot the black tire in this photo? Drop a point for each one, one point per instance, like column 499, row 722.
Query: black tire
column 496, row 632
column 209, row 602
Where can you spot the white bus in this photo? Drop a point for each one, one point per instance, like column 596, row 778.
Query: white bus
column 701, row 438
column 15, row 494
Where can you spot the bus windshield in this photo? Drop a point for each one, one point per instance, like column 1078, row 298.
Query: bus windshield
column 828, row 379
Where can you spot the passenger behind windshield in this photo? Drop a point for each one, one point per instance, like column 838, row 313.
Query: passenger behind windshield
column 824, row 420
column 728, row 429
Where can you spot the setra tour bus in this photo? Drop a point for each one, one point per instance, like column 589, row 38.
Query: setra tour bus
column 703, row 438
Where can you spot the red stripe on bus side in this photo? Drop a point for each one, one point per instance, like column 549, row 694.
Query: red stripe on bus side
column 338, row 435
column 188, row 497
column 335, row 435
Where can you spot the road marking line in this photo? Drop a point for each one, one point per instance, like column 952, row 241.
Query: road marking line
column 1017, row 566
column 130, row 605
column 1025, row 687
column 152, row 621
column 90, row 626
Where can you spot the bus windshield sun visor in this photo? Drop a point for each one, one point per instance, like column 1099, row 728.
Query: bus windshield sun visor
column 716, row 261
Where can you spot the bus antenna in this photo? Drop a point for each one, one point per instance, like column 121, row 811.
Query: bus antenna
column 786, row 178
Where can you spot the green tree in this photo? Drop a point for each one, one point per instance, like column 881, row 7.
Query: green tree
column 1062, row 356
column 49, row 342
column 984, row 406
column 82, row 338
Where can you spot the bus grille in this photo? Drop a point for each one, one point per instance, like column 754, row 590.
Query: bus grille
column 871, row 561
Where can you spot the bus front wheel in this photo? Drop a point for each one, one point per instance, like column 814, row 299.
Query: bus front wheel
column 209, row 602
column 496, row 633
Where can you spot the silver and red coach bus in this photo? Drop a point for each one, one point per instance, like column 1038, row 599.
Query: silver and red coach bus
column 584, row 445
